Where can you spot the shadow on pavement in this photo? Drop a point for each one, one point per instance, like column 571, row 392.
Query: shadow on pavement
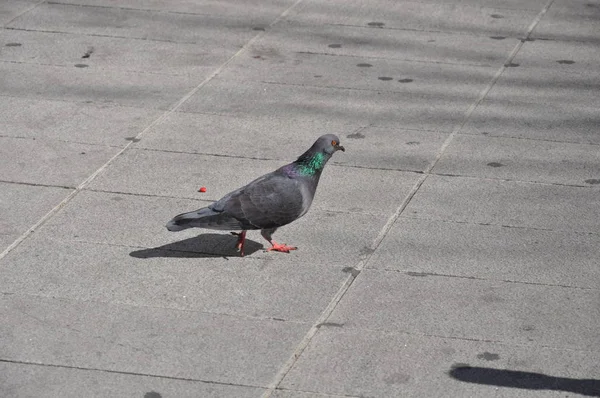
column 201, row 246
column 525, row 380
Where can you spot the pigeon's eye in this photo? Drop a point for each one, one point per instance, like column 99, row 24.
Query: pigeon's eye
column 334, row 143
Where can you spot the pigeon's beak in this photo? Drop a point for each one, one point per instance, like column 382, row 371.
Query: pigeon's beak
column 338, row 147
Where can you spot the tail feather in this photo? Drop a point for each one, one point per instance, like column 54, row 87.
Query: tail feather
column 203, row 218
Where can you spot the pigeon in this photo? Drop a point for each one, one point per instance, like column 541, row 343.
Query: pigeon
column 267, row 203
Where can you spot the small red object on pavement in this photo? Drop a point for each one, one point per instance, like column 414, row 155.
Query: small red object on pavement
column 202, row 189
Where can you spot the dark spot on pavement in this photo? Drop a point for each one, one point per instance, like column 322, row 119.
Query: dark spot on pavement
column 592, row 5
column 81, row 65
column 430, row 41
column 13, row 44
column 258, row 28
column 318, row 75
column 257, row 57
column 405, row 80
column 356, row 136
column 421, row 274
column 396, row 378
column 82, row 153
column 376, row 24
column 364, row 65
column 132, row 139
column 593, row 181
column 117, row 198
column 511, row 65
column 351, row 270
column 330, row 324
column 413, row 143
column 335, row 46
column 152, row 394
column 88, row 52
column 366, row 250
column 278, row 319
column 528, row 328
column 488, row 356
column 385, row 78
column 495, row 164
column 565, row 62
column 496, row 16
column 498, row 37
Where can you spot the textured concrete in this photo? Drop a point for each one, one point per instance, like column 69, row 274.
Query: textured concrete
column 451, row 251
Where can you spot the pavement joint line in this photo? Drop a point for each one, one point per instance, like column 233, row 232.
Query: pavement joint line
column 421, row 61
column 41, row 139
column 502, row 225
column 109, row 69
column 559, row 184
column 148, row 195
column 479, row 278
column 35, row 184
column 491, row 135
column 306, row 340
column 157, row 307
column 459, row 338
column 98, row 35
column 23, row 13
column 156, row 121
column 122, row 372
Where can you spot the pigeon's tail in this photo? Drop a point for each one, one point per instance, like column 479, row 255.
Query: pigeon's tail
column 203, row 218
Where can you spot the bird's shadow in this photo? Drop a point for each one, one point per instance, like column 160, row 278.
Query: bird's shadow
column 524, row 380
column 201, row 246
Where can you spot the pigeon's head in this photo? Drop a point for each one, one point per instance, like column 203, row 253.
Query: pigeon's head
column 328, row 143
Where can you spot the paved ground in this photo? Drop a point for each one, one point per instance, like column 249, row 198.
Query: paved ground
column 452, row 251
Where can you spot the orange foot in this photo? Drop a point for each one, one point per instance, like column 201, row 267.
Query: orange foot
column 281, row 248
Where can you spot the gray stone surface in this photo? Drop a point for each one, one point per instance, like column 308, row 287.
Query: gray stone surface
column 77, row 122
column 425, row 247
column 172, row 278
column 31, row 380
column 144, row 340
column 341, row 188
column 464, row 308
column 371, row 363
column 21, row 206
column 460, row 226
column 324, row 236
column 515, row 204
column 524, row 160
column 50, row 162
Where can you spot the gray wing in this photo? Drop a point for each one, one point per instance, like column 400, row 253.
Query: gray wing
column 270, row 201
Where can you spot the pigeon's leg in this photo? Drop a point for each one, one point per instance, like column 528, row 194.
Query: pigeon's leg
column 239, row 246
column 266, row 233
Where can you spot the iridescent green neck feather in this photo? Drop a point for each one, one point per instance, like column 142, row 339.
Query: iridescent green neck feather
column 313, row 164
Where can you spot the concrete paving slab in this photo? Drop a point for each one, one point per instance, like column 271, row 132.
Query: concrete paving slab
column 41, row 161
column 570, row 20
column 415, row 110
column 81, row 84
column 474, row 20
column 140, row 24
column 370, row 363
column 256, row 9
column 301, row 394
column 516, row 159
column 145, row 340
column 396, row 44
column 559, row 56
column 12, row 9
column 324, row 237
column 273, row 287
column 269, row 137
column 323, row 70
column 21, row 206
column 512, row 313
column 76, row 122
column 340, row 188
column 558, row 121
column 33, row 380
column 112, row 53
column 515, row 204
column 423, row 247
